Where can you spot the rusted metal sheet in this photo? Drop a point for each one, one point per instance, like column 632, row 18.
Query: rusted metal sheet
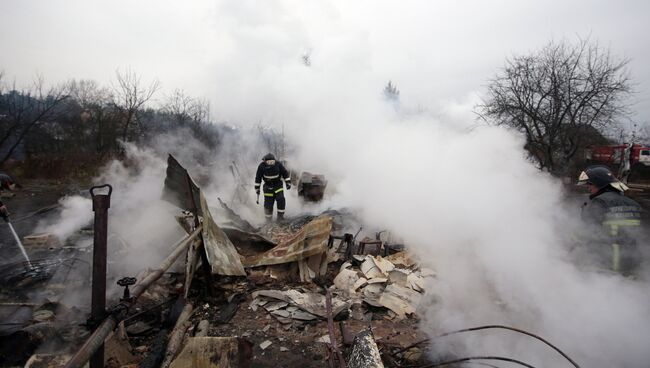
column 181, row 190
column 222, row 255
column 309, row 240
column 237, row 220
column 176, row 189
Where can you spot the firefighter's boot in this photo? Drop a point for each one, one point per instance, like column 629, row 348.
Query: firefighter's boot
column 268, row 214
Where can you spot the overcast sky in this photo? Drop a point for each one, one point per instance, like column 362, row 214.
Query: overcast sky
column 438, row 53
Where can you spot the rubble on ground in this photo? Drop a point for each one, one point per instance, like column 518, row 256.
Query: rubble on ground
column 275, row 289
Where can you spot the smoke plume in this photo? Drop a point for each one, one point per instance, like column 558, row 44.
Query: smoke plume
column 463, row 196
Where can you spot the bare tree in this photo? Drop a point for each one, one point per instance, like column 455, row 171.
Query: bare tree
column 185, row 109
column 88, row 92
column 129, row 96
column 558, row 97
column 96, row 114
column 391, row 92
column 25, row 110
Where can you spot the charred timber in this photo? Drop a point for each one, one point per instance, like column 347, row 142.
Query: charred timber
column 176, row 338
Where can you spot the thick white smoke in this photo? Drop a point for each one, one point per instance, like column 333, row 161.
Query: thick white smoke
column 76, row 213
column 464, row 198
column 472, row 208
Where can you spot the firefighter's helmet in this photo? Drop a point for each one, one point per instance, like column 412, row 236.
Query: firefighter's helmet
column 268, row 156
column 600, row 177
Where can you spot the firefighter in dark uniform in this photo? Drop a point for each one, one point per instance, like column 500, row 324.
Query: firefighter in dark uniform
column 272, row 172
column 615, row 220
column 4, row 213
column 6, row 183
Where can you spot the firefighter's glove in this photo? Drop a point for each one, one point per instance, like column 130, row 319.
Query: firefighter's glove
column 288, row 185
column 257, row 191
column 4, row 213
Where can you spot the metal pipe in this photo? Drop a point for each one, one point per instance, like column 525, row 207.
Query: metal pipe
column 101, row 204
column 180, row 247
column 330, row 328
column 101, row 333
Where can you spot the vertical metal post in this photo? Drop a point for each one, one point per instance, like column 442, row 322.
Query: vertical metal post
column 101, row 203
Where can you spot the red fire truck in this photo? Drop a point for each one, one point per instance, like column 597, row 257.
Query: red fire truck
column 630, row 163
column 614, row 154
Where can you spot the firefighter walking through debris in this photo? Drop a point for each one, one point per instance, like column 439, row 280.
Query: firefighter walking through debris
column 273, row 172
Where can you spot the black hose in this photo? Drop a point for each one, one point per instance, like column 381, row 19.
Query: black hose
column 495, row 327
column 468, row 359
column 484, row 364
column 37, row 212
column 515, row 330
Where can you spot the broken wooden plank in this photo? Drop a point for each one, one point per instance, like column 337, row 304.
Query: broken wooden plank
column 46, row 360
column 41, row 240
column 177, row 335
column 221, row 253
column 214, row 352
column 203, row 328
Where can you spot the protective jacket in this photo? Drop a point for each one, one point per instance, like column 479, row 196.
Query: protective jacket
column 5, row 181
column 273, row 189
column 617, row 220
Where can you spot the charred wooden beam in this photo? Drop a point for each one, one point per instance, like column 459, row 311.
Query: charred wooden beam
column 177, row 335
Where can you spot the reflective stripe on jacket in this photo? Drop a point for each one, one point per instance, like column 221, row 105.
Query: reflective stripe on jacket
column 619, row 219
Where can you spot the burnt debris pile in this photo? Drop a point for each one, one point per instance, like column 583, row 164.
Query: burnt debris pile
column 306, row 291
